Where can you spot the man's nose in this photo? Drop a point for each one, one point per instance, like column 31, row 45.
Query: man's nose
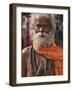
column 41, row 29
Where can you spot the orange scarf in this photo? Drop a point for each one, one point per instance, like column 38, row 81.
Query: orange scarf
column 54, row 53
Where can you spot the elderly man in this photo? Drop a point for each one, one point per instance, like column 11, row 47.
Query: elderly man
column 43, row 58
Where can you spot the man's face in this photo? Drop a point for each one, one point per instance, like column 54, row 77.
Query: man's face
column 42, row 25
column 42, row 38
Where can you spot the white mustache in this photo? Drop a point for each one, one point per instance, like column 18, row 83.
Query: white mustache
column 43, row 39
column 40, row 34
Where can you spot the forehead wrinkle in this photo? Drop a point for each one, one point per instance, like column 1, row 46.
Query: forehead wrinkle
column 42, row 20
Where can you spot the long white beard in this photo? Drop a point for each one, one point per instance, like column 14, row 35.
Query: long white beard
column 42, row 40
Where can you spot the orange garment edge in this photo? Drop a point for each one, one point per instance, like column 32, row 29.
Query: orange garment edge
column 54, row 53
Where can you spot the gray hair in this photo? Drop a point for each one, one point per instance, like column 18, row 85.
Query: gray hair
column 34, row 17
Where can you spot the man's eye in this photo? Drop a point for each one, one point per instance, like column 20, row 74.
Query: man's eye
column 38, row 26
column 44, row 26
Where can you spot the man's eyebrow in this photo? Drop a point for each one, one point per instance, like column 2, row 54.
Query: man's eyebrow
column 38, row 25
column 44, row 25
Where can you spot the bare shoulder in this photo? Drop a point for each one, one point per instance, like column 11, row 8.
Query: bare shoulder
column 26, row 51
